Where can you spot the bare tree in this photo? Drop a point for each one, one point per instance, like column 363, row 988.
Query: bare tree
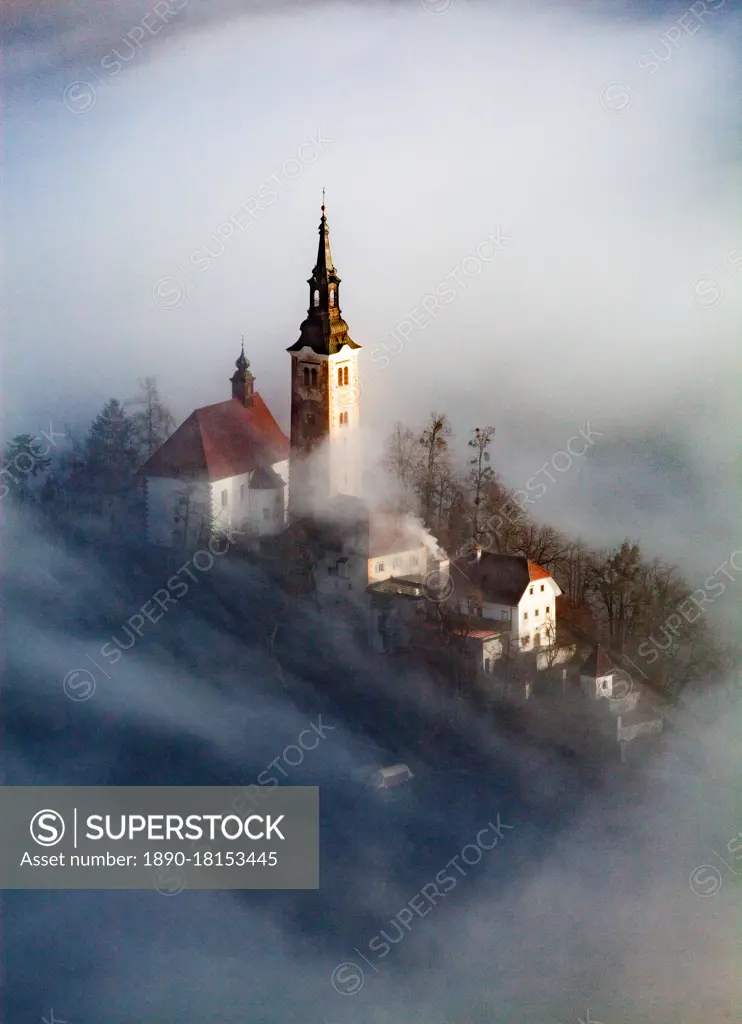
column 154, row 422
column 541, row 544
column 434, row 445
column 480, row 472
column 194, row 512
column 403, row 455
column 616, row 580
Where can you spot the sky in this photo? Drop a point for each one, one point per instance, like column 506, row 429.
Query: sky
column 598, row 144
column 163, row 178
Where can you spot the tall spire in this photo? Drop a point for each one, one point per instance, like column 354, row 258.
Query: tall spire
column 324, row 267
column 324, row 329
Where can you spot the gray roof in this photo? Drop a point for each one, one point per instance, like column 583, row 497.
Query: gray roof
column 398, row 586
column 500, row 579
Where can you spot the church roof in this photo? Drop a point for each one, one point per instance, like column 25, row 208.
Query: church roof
column 219, row 441
column 500, row 579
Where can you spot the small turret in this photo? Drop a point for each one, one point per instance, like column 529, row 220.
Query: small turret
column 242, row 380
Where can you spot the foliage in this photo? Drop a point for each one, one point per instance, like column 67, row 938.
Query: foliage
column 615, row 596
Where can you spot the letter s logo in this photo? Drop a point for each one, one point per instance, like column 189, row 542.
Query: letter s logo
column 47, row 827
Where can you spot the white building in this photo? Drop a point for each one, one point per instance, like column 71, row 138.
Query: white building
column 510, row 606
column 224, row 469
column 629, row 712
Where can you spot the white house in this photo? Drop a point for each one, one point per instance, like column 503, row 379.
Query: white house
column 600, row 678
column 224, row 469
column 611, row 690
column 510, row 604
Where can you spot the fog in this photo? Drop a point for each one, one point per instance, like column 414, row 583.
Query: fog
column 600, row 143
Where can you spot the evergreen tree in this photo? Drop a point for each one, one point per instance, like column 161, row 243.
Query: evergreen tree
column 111, row 453
column 23, row 460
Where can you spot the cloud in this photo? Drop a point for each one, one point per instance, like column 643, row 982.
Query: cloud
column 445, row 130
column 590, row 882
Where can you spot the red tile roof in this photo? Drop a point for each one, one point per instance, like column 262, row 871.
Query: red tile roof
column 535, row 572
column 220, row 441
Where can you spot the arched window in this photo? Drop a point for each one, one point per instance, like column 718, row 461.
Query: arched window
column 314, row 376
column 306, row 376
column 345, row 375
column 340, row 375
column 332, row 297
column 316, row 297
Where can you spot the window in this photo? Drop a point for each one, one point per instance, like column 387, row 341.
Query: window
column 397, row 563
column 345, row 375
column 548, row 609
column 242, row 492
column 531, row 591
column 535, row 614
column 332, row 297
column 542, row 588
column 486, row 664
column 379, row 566
column 340, row 376
column 414, row 560
column 525, row 616
column 314, row 376
column 505, row 615
column 343, row 419
column 306, row 376
column 225, row 498
column 316, row 297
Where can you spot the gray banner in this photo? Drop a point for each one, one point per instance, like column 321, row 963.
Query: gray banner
column 167, row 838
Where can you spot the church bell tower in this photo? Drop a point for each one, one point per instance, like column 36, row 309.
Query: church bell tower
column 325, row 456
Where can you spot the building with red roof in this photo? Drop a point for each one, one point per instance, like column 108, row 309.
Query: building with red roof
column 509, row 591
column 224, row 470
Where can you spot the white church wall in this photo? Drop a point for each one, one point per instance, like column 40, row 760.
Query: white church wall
column 238, row 506
column 176, row 511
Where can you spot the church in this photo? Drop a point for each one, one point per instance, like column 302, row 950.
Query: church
column 229, row 468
